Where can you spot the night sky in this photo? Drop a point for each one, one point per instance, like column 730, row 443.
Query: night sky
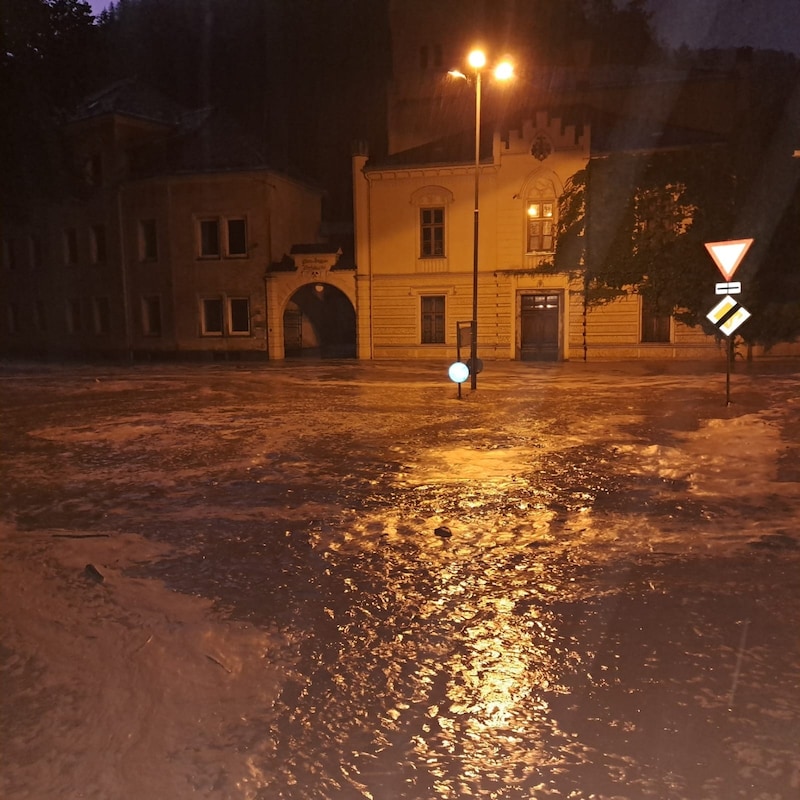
column 710, row 23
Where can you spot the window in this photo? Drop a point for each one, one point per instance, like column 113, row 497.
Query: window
column 211, row 316
column 540, row 214
column 148, row 240
column 98, row 242
column 655, row 323
column 70, row 246
column 35, row 251
column 431, row 232
column 432, row 319
column 221, row 316
column 209, row 238
column 151, row 315
column 237, row 237
column 93, row 170
column 13, row 318
column 39, row 316
column 239, row 311
column 101, row 315
column 10, row 253
column 211, row 244
column 74, row 315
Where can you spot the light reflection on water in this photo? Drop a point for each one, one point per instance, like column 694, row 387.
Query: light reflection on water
column 467, row 677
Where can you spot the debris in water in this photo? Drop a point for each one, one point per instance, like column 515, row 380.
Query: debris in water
column 91, row 572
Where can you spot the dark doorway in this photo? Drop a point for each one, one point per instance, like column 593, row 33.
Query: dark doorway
column 319, row 322
column 539, row 322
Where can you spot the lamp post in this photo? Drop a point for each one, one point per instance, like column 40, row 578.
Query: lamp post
column 503, row 71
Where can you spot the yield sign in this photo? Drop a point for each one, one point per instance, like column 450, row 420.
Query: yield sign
column 728, row 255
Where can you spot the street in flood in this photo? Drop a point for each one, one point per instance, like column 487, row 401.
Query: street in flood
column 337, row 580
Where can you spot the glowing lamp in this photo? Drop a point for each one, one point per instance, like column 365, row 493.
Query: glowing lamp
column 458, row 372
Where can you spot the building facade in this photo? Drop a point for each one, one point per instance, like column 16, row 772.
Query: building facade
column 414, row 208
column 163, row 244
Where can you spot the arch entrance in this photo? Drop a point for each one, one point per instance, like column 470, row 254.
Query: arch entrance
column 319, row 321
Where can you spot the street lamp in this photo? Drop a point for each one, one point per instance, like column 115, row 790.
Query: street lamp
column 503, row 71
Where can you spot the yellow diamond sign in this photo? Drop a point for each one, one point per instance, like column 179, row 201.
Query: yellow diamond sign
column 728, row 315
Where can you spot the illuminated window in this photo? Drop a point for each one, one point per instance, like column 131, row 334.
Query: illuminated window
column 540, row 215
column 431, row 232
column 432, row 312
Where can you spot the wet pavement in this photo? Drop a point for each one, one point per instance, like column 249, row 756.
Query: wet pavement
column 581, row 581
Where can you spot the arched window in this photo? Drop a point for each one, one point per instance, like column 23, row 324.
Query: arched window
column 540, row 216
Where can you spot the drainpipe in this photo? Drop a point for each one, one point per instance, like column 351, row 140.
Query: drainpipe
column 362, row 234
column 123, row 263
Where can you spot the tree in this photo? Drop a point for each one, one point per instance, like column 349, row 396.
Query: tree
column 648, row 218
column 48, row 61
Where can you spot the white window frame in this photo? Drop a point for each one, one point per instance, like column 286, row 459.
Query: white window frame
column 229, row 309
column 229, row 253
column 204, row 329
column 542, row 210
column 223, row 227
column 226, row 316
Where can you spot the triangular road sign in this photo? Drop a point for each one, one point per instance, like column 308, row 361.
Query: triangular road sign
column 728, row 255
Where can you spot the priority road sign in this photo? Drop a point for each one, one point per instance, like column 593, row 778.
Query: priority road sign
column 728, row 315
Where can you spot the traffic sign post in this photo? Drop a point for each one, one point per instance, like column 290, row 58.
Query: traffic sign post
column 728, row 314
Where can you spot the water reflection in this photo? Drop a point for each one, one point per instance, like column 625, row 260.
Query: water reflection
column 458, row 654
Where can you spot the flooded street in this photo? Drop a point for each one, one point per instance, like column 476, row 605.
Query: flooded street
column 580, row 581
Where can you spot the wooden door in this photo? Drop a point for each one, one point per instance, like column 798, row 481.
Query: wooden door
column 539, row 326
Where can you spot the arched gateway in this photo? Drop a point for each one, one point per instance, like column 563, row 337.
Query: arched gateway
column 311, row 305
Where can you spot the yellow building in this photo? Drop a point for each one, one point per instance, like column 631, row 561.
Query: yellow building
column 414, row 215
column 415, row 210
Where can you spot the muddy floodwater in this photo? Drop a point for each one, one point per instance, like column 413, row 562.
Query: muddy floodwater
column 336, row 580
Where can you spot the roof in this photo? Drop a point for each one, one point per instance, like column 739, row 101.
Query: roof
column 132, row 99
column 185, row 141
column 610, row 133
column 457, row 148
